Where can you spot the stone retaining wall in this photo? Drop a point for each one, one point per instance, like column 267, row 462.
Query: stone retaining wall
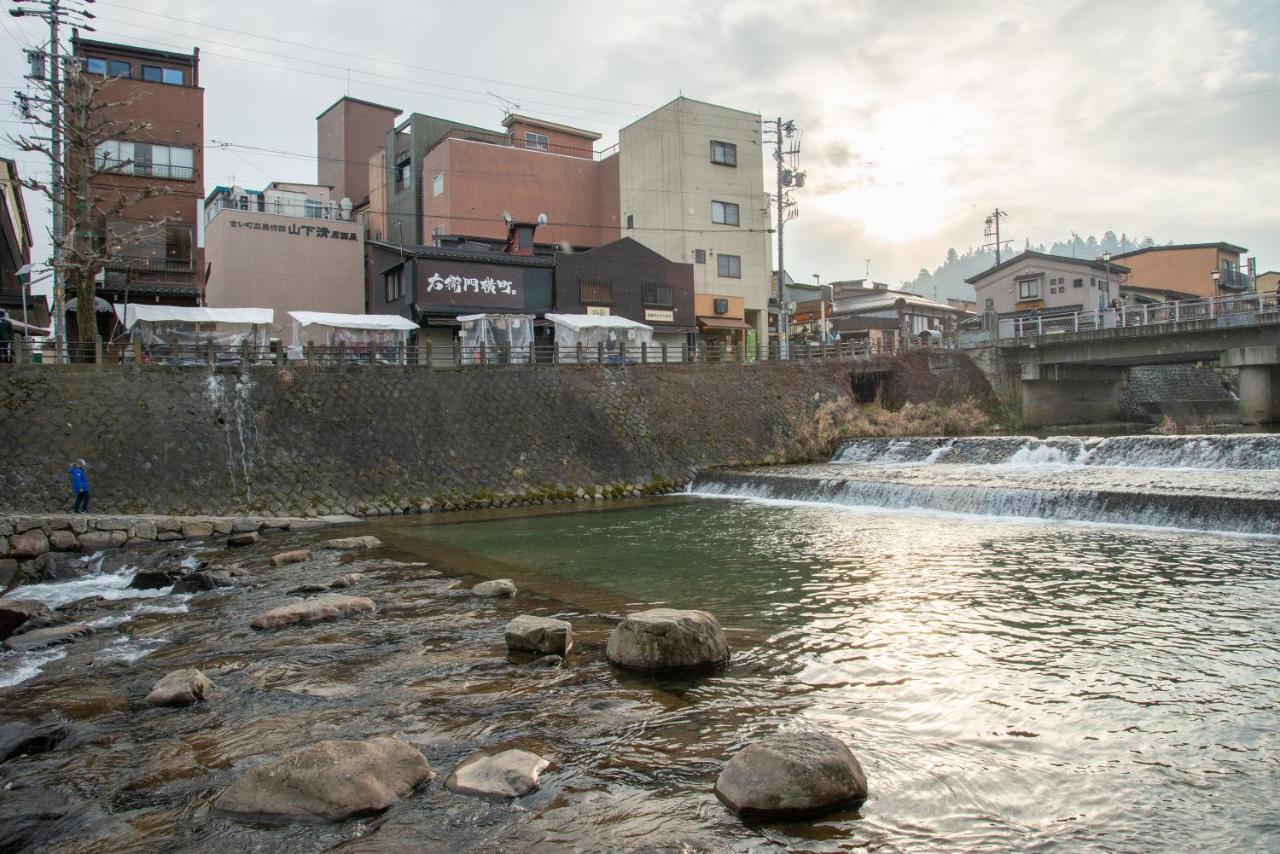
column 305, row 441
column 24, row 538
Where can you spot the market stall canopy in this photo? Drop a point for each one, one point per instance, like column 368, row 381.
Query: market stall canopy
column 27, row 329
column 99, row 304
column 379, row 322
column 193, row 314
column 595, row 321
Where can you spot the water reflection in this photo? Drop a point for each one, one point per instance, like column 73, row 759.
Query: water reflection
column 1005, row 683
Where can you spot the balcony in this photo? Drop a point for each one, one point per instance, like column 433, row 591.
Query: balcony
column 142, row 264
column 109, row 166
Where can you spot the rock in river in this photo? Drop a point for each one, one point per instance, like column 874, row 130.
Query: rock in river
column 349, row 544
column 154, row 579
column 239, row 541
column 527, row 633
column 508, row 774
column 15, row 612
column 332, row 607
column 499, row 588
column 328, row 781
column 23, row 739
column 295, row 556
column 790, row 775
column 198, row 582
column 667, row 639
column 180, row 688
column 41, row 638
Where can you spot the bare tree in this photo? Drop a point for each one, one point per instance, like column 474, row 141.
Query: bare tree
column 92, row 230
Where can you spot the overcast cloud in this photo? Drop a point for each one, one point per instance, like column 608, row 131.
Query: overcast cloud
column 919, row 117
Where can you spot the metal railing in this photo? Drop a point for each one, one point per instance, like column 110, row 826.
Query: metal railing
column 1148, row 314
column 146, row 264
column 111, row 166
column 124, row 353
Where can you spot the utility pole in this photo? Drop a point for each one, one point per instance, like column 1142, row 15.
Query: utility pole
column 993, row 230
column 785, row 207
column 53, row 13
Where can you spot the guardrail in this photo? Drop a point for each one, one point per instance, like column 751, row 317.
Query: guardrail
column 1149, row 314
column 103, row 355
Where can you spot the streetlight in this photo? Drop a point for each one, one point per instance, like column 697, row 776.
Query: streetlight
column 1106, row 266
column 1216, row 275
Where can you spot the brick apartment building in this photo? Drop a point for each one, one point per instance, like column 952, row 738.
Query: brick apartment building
column 162, row 89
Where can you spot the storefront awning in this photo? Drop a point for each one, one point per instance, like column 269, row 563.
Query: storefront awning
column 722, row 323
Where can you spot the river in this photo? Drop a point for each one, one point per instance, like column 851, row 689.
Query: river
column 1020, row 659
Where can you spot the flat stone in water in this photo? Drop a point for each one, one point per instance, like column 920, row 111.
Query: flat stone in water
column 41, row 638
column 347, row 544
column 294, row 556
column 508, row 774
column 15, row 612
column 326, row 782
column 527, row 633
column 331, row 607
column 793, row 774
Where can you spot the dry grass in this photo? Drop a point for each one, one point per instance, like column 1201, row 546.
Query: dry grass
column 837, row 420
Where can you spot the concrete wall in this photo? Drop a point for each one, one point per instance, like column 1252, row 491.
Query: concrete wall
column 347, row 135
column 667, row 183
column 327, row 440
column 1052, row 403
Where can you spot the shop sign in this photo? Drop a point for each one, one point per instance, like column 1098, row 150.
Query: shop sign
column 469, row 285
column 321, row 231
column 660, row 315
column 598, row 310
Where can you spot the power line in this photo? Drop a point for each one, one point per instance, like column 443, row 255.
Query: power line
column 334, row 51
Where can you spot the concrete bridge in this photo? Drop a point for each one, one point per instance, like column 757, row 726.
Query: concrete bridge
column 1072, row 368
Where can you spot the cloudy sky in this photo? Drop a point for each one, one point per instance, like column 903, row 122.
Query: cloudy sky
column 1152, row 117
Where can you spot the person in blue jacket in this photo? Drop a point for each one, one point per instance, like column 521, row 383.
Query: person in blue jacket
column 80, row 486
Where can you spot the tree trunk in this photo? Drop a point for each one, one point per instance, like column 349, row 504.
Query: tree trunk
column 86, row 320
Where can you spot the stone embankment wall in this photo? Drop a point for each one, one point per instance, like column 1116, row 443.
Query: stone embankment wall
column 1180, row 391
column 299, row 441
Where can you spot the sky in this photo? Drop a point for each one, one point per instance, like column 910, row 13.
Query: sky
column 1151, row 117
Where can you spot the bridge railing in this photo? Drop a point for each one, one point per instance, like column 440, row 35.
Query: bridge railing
column 1148, row 314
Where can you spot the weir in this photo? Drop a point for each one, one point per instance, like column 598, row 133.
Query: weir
column 1192, row 482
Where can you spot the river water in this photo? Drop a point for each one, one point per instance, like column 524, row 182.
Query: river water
column 1051, row 677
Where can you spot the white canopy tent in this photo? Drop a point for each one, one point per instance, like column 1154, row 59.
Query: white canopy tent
column 159, row 326
column 592, row 330
column 355, row 329
column 498, row 333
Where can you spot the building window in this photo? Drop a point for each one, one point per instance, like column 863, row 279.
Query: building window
column 699, row 256
column 724, row 213
column 146, row 159
column 540, row 141
column 394, row 285
column 729, row 266
column 437, row 185
column 108, row 67
column 404, row 175
column 724, row 153
column 1077, row 283
column 631, row 221
column 657, row 295
column 1029, row 289
column 595, row 291
column 313, row 209
column 177, row 242
column 156, row 74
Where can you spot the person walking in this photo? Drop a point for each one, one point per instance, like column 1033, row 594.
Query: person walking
column 80, row 486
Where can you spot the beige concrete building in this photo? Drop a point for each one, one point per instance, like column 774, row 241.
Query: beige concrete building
column 691, row 187
column 1048, row 284
column 288, row 247
column 1268, row 282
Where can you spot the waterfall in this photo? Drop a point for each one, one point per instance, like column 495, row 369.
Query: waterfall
column 232, row 403
column 1235, row 451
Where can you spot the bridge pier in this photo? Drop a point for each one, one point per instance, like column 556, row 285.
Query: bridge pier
column 1259, row 381
column 1071, row 394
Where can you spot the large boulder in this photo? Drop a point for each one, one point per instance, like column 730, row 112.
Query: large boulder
column 667, row 639
column 295, row 556
column 194, row 529
column 349, row 544
column 15, row 612
column 508, row 774
column 63, row 541
column 198, row 582
column 327, row 782
column 332, row 607
column 51, row 567
column 527, row 633
column 499, row 588
column 792, row 774
column 180, row 688
column 239, row 541
column 96, row 541
column 31, row 543
column 161, row 576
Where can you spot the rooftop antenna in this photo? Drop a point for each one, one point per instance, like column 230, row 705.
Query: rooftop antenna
column 508, row 106
column 868, row 260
